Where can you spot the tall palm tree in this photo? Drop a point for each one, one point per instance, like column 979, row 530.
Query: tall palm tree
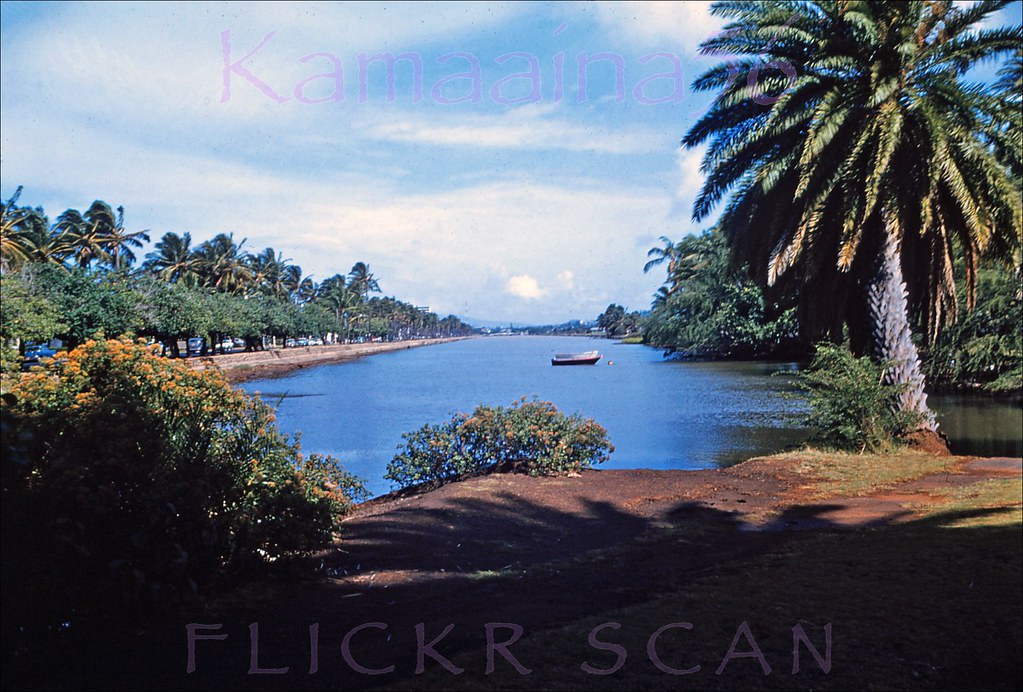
column 341, row 299
column 47, row 245
column 858, row 162
column 119, row 242
column 297, row 288
column 173, row 259
column 223, row 264
column 362, row 281
column 270, row 272
column 21, row 230
column 85, row 236
column 660, row 255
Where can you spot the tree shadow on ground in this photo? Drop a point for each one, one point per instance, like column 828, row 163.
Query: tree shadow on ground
column 914, row 604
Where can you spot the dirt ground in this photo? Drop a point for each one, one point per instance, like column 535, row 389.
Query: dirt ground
column 540, row 563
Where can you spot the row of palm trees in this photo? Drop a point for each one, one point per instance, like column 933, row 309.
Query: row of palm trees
column 856, row 163
column 97, row 237
column 98, row 241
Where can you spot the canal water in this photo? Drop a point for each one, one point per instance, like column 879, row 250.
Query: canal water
column 659, row 414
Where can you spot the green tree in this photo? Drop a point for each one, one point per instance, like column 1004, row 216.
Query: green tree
column 24, row 316
column 173, row 259
column 708, row 308
column 615, row 321
column 341, row 299
column 223, row 264
column 362, row 281
column 119, row 242
column 89, row 303
column 270, row 272
column 659, row 255
column 84, row 237
column 20, row 230
column 171, row 312
column 985, row 347
column 859, row 162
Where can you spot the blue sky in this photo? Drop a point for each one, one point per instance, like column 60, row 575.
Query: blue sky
column 508, row 193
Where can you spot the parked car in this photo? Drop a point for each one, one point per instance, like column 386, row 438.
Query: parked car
column 33, row 354
column 195, row 345
column 227, row 345
column 302, row 342
column 288, row 343
column 316, row 342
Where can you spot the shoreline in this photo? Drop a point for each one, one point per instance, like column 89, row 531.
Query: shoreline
column 278, row 362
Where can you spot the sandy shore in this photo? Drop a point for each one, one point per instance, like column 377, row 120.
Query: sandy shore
column 240, row 367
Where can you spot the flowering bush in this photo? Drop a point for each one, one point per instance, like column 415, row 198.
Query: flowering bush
column 530, row 437
column 130, row 480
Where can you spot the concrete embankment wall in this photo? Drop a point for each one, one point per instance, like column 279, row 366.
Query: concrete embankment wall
column 272, row 362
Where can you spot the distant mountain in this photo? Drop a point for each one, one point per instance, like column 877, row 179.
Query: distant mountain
column 492, row 324
column 571, row 325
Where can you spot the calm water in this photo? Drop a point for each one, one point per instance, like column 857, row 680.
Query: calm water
column 658, row 414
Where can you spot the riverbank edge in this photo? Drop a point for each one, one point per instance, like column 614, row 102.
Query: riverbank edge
column 278, row 362
column 767, row 482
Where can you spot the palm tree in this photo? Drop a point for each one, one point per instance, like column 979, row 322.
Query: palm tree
column 21, row 229
column 297, row 288
column 47, row 245
column 859, row 163
column 361, row 280
column 660, row 255
column 173, row 259
column 223, row 264
column 270, row 272
column 119, row 242
column 85, row 236
column 341, row 299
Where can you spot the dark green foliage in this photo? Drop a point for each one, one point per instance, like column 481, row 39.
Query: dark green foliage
column 132, row 482
column 851, row 406
column 24, row 316
column 528, row 437
column 616, row 322
column 89, row 302
column 709, row 309
column 985, row 347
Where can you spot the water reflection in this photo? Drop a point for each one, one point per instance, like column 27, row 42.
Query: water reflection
column 980, row 425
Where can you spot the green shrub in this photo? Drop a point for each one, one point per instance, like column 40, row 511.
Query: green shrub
column 529, row 437
column 850, row 405
column 131, row 482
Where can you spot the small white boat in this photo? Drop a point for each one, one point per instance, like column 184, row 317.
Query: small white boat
column 587, row 358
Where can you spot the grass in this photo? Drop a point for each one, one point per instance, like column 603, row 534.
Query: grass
column 842, row 473
column 997, row 493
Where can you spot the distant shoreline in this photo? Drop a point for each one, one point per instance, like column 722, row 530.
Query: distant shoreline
column 278, row 362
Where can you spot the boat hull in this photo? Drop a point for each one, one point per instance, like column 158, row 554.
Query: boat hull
column 576, row 360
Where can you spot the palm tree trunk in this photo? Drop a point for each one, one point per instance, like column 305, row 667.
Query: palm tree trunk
column 888, row 307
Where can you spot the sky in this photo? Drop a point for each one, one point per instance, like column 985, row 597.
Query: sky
column 517, row 168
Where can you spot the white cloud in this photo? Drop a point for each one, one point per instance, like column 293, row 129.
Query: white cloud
column 516, row 130
column 689, row 181
column 524, row 286
column 680, row 26
column 566, row 279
